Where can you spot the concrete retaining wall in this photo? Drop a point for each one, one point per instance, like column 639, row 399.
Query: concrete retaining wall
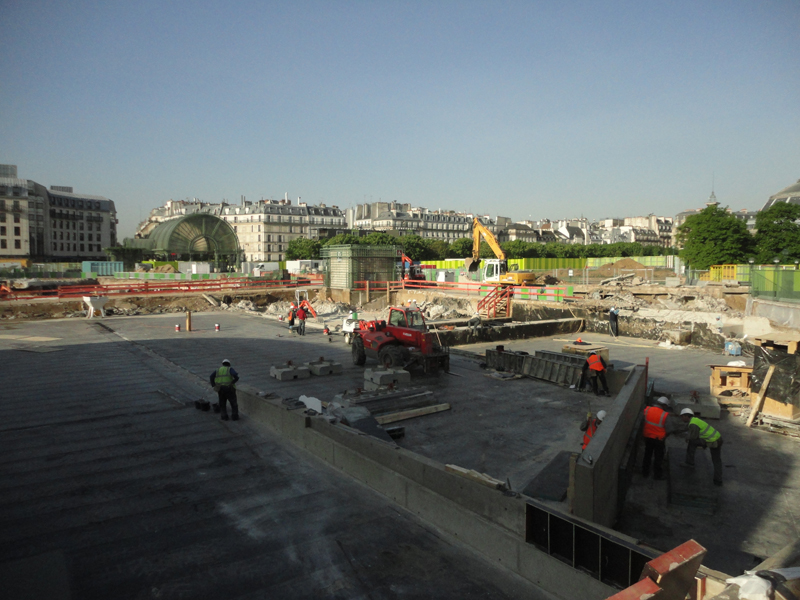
column 511, row 331
column 596, row 493
column 782, row 314
column 485, row 519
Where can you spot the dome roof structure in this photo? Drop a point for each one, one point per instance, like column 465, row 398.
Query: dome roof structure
column 788, row 194
column 192, row 236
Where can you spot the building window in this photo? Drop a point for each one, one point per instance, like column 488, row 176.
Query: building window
column 2, row 230
column 81, row 247
column 16, row 231
column 16, row 219
column 3, row 244
column 55, row 246
column 91, row 237
column 17, row 244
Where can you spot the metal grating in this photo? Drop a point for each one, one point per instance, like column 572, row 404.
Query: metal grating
column 612, row 560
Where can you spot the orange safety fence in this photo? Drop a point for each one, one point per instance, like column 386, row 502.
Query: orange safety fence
column 468, row 287
column 156, row 286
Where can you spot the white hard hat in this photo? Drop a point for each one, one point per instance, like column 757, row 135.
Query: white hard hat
column 601, row 415
column 687, row 411
column 226, row 362
column 663, row 400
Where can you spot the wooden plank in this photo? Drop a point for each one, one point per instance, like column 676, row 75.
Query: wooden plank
column 481, row 478
column 761, row 395
column 410, row 414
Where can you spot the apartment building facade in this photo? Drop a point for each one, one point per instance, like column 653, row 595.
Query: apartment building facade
column 52, row 225
column 445, row 225
column 79, row 226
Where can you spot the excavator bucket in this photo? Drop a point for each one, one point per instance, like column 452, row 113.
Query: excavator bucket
column 471, row 264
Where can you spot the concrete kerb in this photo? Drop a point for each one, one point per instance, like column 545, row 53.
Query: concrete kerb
column 481, row 517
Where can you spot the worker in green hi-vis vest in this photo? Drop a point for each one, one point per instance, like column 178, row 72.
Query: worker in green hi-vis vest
column 703, row 435
column 223, row 380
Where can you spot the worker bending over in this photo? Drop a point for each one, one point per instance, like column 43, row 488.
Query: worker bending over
column 655, row 432
column 590, row 426
column 474, row 324
column 223, row 380
column 703, row 435
column 596, row 368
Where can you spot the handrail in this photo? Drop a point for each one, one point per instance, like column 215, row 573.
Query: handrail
column 493, row 299
column 469, row 287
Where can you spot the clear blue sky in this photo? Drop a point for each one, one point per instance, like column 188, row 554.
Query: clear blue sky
column 549, row 109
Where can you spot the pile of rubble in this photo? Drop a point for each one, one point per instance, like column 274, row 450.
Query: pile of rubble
column 441, row 308
column 325, row 308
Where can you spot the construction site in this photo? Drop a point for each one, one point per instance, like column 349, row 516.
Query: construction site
column 420, row 436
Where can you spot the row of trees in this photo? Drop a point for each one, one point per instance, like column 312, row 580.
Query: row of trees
column 716, row 237
column 711, row 237
column 418, row 248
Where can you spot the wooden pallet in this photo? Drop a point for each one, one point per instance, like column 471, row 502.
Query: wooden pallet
column 788, row 342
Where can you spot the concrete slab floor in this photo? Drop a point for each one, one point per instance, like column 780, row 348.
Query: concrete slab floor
column 760, row 501
column 106, row 463
column 508, row 429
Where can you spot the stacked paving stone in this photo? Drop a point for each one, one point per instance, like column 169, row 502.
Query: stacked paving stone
column 324, row 367
column 289, row 372
column 382, row 379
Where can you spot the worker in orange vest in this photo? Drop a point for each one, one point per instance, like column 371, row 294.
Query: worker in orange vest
column 655, row 432
column 590, row 426
column 596, row 368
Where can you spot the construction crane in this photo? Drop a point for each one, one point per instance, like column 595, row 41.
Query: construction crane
column 495, row 269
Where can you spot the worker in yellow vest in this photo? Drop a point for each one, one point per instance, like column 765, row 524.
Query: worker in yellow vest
column 703, row 435
column 223, row 380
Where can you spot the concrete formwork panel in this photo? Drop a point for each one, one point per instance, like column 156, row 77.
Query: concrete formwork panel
column 596, row 493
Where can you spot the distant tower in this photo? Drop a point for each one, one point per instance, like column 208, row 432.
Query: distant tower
column 712, row 199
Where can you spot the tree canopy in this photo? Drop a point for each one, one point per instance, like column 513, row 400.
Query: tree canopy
column 778, row 233
column 714, row 237
column 303, row 249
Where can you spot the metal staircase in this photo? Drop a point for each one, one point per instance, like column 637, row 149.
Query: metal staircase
column 497, row 303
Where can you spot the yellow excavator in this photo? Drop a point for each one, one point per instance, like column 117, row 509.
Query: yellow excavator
column 494, row 269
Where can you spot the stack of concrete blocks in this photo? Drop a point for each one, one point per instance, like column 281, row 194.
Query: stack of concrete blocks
column 289, row 372
column 382, row 379
column 323, row 367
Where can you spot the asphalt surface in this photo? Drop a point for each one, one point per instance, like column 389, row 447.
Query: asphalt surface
column 114, row 486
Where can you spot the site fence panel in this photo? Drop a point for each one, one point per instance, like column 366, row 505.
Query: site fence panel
column 776, row 284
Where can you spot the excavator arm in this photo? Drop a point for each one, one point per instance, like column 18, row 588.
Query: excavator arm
column 478, row 230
